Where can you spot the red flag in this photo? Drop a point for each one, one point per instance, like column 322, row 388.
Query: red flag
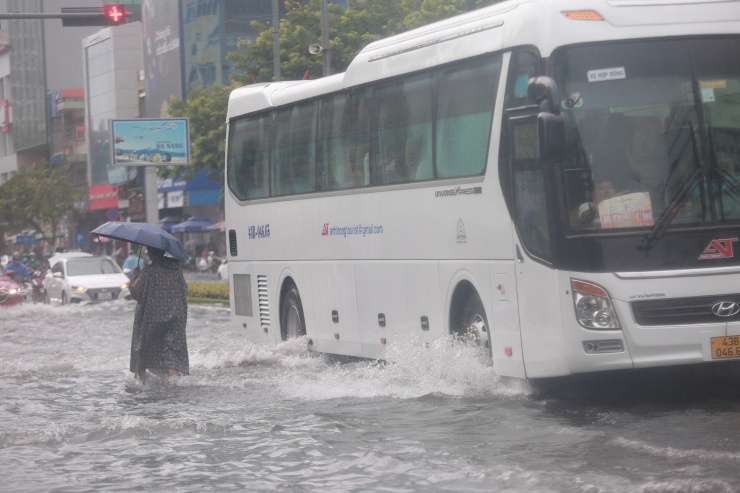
column 251, row 76
column 305, row 76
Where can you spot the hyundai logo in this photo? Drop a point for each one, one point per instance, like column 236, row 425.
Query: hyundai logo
column 725, row 309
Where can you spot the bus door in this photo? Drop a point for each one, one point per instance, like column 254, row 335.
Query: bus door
column 533, row 136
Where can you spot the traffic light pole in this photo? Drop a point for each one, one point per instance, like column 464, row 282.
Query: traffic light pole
column 108, row 15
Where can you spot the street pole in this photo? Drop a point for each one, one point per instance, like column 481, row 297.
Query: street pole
column 150, row 195
column 275, row 40
column 325, row 37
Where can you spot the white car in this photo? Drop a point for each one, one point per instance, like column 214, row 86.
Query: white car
column 223, row 271
column 78, row 277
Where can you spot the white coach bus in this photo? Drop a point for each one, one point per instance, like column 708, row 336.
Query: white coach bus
column 554, row 180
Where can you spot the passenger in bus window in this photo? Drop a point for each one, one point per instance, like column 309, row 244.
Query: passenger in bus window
column 393, row 167
column 418, row 168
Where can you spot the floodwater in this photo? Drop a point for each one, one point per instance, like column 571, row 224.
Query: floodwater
column 250, row 418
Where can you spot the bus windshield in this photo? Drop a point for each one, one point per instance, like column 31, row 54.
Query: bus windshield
column 655, row 134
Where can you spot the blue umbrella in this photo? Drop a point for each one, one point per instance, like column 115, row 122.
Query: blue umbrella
column 196, row 224
column 166, row 223
column 143, row 234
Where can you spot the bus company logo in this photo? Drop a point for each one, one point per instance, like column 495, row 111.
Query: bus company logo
column 325, row 230
column 462, row 237
column 451, row 192
column 718, row 249
column 725, row 309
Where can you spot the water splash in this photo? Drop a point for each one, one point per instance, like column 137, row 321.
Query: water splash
column 412, row 369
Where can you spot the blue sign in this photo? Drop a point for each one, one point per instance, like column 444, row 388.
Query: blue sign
column 25, row 240
column 79, row 238
column 112, row 214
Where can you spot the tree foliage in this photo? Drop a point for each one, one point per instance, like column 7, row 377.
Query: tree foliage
column 349, row 31
column 206, row 111
column 363, row 22
column 39, row 199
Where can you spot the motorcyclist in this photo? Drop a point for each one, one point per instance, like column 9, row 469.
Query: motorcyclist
column 20, row 271
column 33, row 262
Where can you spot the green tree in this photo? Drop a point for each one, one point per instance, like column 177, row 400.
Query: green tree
column 206, row 111
column 350, row 31
column 423, row 12
column 39, row 199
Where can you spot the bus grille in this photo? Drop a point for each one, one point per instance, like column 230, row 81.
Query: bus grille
column 243, row 294
column 263, row 301
column 683, row 311
column 232, row 242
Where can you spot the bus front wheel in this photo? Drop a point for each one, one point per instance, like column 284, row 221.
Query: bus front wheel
column 473, row 325
column 292, row 323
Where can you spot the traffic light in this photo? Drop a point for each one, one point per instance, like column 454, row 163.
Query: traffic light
column 115, row 14
column 107, row 15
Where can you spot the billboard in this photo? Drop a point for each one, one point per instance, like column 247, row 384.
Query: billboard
column 150, row 141
column 160, row 21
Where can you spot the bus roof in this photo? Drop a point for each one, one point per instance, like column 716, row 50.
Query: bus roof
column 539, row 23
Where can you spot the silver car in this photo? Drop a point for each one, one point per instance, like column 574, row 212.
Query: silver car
column 83, row 278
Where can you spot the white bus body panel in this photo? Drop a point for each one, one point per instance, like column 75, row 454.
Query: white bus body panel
column 457, row 237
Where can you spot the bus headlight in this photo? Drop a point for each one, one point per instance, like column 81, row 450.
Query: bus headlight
column 593, row 306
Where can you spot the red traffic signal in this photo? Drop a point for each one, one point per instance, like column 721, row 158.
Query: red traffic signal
column 114, row 13
column 108, row 15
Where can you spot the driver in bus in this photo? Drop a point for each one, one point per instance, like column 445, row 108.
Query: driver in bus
column 589, row 211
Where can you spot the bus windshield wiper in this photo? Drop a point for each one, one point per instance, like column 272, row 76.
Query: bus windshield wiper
column 687, row 187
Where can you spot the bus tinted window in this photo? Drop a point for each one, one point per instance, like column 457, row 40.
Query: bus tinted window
column 342, row 142
column 403, row 131
column 247, row 158
column 293, row 169
column 425, row 126
column 465, row 100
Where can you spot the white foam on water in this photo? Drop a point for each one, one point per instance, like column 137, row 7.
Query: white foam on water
column 292, row 353
column 412, row 369
column 672, row 452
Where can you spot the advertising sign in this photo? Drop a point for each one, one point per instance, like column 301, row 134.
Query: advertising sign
column 102, row 197
column 150, row 141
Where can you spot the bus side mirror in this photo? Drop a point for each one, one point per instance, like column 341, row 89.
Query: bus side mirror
column 550, row 123
column 552, row 138
column 544, row 92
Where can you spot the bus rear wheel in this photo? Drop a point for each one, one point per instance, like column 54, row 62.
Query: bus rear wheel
column 473, row 326
column 292, row 323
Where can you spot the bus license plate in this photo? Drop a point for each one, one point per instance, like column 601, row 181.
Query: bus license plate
column 104, row 296
column 725, row 347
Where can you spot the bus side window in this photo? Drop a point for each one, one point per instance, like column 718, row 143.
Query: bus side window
column 247, row 160
column 523, row 66
column 403, row 136
column 465, row 101
column 342, row 141
column 293, row 161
